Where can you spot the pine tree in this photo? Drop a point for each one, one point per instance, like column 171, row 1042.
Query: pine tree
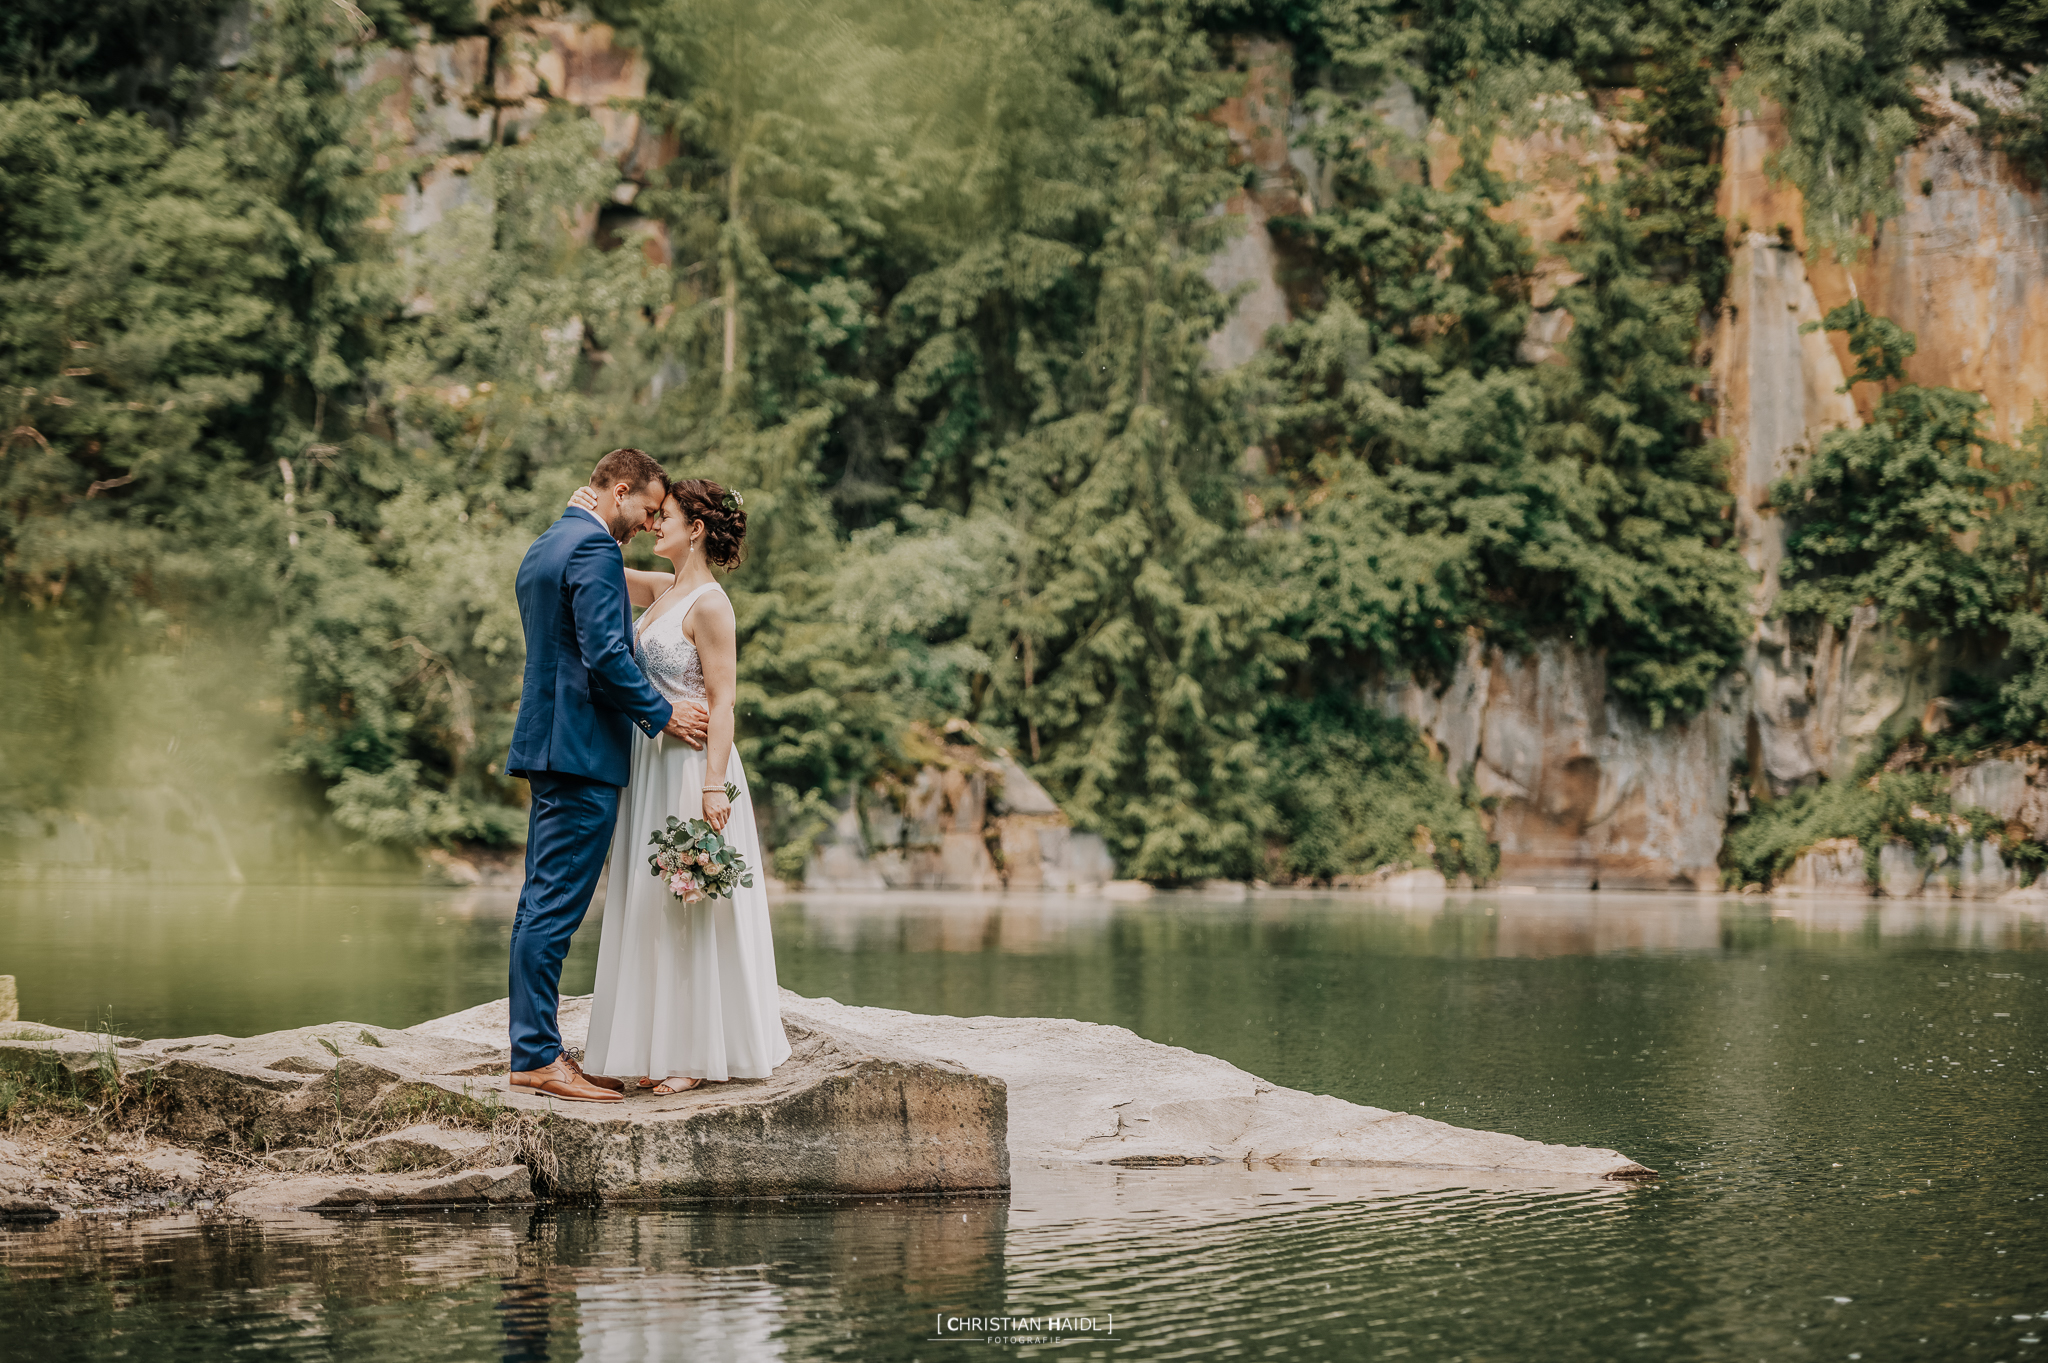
column 1134, row 645
column 1627, row 544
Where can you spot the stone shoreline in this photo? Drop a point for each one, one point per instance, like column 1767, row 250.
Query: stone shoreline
column 872, row 1101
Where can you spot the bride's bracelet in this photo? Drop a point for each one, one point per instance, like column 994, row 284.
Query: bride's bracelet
column 714, row 790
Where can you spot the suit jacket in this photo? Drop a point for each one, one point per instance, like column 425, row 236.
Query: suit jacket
column 583, row 693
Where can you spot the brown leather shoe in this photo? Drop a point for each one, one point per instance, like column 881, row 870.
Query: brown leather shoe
column 603, row 1081
column 561, row 1079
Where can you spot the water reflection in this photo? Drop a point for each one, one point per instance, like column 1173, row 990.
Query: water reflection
column 166, row 959
column 1844, row 1097
column 1532, row 926
column 1169, row 1252
column 729, row 1314
column 1193, row 1263
column 1105, row 1205
column 738, row 1283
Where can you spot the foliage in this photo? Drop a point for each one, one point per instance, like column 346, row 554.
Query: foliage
column 1635, row 543
column 927, row 279
column 1353, row 790
column 1671, row 173
column 2017, row 541
column 1844, row 72
column 2019, row 130
column 38, row 1084
column 1445, row 487
column 1874, row 807
column 129, row 53
column 2012, row 32
column 1883, row 513
column 1998, row 694
column 1136, row 626
column 1942, row 530
column 199, row 340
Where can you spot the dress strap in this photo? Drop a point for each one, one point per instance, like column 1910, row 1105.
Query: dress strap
column 682, row 611
column 679, row 610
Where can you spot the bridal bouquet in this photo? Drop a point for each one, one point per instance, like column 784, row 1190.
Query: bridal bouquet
column 696, row 860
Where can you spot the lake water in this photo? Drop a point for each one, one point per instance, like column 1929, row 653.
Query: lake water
column 1846, row 1101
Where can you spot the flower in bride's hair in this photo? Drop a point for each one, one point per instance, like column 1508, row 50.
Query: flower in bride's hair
column 733, row 501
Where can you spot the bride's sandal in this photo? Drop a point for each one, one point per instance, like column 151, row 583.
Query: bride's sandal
column 677, row 1084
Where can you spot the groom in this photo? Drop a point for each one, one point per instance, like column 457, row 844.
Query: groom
column 580, row 700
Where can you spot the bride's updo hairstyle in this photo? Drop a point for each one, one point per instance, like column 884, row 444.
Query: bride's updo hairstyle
column 723, row 514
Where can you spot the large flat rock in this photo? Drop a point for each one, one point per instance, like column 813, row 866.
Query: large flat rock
column 1081, row 1092
column 309, row 1086
column 848, row 1112
column 871, row 1101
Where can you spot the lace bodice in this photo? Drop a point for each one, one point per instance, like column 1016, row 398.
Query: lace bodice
column 667, row 656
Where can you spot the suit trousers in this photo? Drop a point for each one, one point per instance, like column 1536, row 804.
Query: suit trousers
column 568, row 834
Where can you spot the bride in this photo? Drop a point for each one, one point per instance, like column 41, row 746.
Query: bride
column 686, row 993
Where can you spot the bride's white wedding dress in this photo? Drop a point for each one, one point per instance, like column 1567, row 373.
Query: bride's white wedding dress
column 682, row 989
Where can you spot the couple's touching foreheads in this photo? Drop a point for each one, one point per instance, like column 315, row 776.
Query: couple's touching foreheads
column 622, row 728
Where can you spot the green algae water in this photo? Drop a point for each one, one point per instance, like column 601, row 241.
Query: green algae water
column 1845, row 1100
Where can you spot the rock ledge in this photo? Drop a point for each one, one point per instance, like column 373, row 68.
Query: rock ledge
column 1084, row 1093
column 871, row 1101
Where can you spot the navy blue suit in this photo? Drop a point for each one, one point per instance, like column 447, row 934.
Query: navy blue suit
column 581, row 699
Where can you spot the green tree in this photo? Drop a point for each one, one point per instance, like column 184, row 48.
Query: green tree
column 2020, row 131
column 2017, row 541
column 925, row 281
column 1354, row 790
column 1845, row 72
column 1445, row 485
column 1889, row 513
column 1629, row 541
column 1135, row 642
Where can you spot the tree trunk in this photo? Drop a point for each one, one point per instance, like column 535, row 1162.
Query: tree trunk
column 732, row 276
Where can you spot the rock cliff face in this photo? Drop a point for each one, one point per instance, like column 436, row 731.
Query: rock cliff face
column 969, row 818
column 446, row 101
column 1589, row 795
column 1966, row 269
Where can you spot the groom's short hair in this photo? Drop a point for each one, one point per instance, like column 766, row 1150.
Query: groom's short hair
column 631, row 467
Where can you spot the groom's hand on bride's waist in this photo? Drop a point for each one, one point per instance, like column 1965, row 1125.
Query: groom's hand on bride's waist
column 690, row 722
